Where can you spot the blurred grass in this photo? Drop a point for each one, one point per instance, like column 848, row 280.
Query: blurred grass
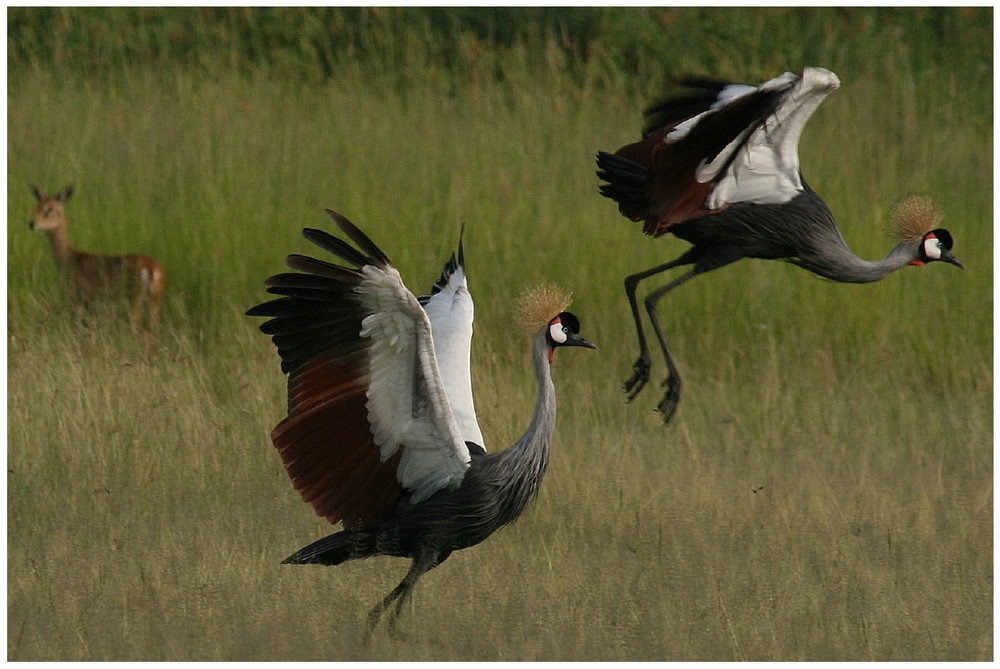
column 825, row 491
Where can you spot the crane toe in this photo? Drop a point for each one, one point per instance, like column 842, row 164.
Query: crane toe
column 640, row 376
column 668, row 405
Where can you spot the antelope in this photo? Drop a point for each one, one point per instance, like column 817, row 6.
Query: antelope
column 90, row 277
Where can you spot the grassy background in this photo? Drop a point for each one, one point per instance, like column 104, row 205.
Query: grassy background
column 825, row 491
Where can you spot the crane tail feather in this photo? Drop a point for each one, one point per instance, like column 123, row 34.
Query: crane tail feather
column 334, row 549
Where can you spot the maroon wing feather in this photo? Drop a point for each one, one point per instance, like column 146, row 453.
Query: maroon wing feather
column 333, row 461
column 325, row 442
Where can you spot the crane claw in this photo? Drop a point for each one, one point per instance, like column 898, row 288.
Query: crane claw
column 640, row 376
column 668, row 405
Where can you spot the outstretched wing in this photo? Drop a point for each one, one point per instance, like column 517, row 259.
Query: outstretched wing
column 450, row 310
column 368, row 415
column 729, row 143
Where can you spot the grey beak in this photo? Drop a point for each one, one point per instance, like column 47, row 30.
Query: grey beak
column 577, row 340
column 949, row 258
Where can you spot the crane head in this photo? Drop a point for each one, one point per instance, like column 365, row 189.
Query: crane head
column 534, row 309
column 936, row 245
column 564, row 330
column 917, row 218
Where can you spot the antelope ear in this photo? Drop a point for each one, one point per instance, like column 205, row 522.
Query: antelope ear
column 39, row 195
column 66, row 193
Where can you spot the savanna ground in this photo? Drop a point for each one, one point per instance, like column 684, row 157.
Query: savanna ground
column 824, row 492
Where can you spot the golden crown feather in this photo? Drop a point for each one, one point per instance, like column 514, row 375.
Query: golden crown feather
column 537, row 305
column 914, row 217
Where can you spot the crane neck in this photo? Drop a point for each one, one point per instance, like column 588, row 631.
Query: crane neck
column 840, row 264
column 529, row 457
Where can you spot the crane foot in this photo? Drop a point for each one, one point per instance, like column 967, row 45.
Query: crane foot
column 371, row 624
column 639, row 378
column 391, row 629
column 668, row 405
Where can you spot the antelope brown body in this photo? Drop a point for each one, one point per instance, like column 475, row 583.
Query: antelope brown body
column 90, row 277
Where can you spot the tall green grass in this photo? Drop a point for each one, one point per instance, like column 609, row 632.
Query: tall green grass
column 825, row 491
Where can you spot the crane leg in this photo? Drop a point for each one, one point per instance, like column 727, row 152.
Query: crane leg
column 642, row 364
column 668, row 405
column 422, row 563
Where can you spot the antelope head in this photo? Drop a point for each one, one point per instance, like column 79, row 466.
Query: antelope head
column 51, row 211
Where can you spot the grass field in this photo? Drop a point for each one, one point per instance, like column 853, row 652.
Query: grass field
column 824, row 492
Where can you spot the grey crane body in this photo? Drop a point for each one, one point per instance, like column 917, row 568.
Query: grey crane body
column 495, row 490
column 380, row 409
column 748, row 230
column 719, row 169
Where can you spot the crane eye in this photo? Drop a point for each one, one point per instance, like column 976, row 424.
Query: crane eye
column 933, row 248
column 558, row 332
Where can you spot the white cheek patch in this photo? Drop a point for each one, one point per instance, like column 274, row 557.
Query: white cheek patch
column 556, row 332
column 932, row 248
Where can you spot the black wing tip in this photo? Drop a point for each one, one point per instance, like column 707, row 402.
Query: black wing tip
column 461, row 246
column 317, row 236
column 362, row 240
column 696, row 96
column 626, row 181
column 256, row 311
column 612, row 163
column 317, row 302
column 342, row 221
column 308, row 265
column 455, row 261
column 340, row 248
column 702, row 83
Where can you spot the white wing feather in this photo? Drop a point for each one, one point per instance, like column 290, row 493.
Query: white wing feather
column 451, row 313
column 407, row 404
column 766, row 170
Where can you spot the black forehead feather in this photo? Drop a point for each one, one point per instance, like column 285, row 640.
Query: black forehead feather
column 570, row 321
column 944, row 237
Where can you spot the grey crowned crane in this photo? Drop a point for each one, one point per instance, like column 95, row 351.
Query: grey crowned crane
column 381, row 433
column 720, row 169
